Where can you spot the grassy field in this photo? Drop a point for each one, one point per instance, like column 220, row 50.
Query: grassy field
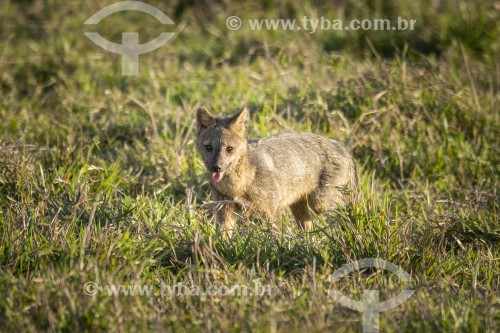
column 100, row 182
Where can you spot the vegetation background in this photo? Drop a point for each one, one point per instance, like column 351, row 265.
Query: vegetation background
column 100, row 182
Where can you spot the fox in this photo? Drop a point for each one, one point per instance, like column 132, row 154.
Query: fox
column 259, row 177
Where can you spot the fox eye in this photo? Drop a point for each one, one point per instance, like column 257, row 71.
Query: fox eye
column 208, row 147
column 229, row 149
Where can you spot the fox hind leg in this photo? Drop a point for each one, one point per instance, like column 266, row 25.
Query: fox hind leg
column 301, row 213
column 277, row 221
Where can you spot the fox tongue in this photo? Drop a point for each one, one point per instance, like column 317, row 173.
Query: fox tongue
column 216, row 176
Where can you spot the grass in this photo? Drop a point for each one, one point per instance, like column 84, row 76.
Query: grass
column 100, row 181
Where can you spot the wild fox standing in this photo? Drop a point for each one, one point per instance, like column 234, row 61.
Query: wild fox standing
column 262, row 176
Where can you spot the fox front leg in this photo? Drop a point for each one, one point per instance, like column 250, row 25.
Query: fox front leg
column 225, row 215
column 226, row 220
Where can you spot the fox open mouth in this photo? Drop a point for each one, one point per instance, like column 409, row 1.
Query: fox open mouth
column 217, row 176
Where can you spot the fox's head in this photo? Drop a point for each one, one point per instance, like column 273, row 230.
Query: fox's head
column 221, row 141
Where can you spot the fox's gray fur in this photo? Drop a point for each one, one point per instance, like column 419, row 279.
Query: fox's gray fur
column 262, row 176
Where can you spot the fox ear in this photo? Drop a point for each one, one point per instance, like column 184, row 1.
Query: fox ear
column 239, row 120
column 204, row 118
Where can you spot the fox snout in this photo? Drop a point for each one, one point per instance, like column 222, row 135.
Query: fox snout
column 217, row 162
column 218, row 169
column 215, row 168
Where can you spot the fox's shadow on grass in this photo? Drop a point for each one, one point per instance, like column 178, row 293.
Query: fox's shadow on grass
column 256, row 243
column 256, row 248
